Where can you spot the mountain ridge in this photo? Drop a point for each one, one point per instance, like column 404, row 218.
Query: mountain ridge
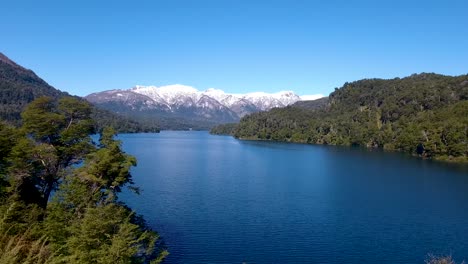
column 20, row 86
column 182, row 101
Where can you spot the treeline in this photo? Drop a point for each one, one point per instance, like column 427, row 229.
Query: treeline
column 224, row 129
column 59, row 191
column 170, row 122
column 423, row 114
column 182, row 120
column 20, row 86
column 122, row 124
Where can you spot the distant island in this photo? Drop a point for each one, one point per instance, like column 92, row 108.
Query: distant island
column 424, row 114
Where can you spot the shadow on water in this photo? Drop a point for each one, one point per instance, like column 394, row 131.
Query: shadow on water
column 357, row 150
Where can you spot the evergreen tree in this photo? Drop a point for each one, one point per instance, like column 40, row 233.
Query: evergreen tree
column 61, row 191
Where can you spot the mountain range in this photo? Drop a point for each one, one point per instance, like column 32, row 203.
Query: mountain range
column 141, row 108
column 209, row 107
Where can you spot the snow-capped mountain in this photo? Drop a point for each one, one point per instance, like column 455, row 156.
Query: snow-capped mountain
column 182, row 101
column 189, row 96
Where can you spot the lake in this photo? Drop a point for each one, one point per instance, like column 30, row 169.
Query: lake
column 215, row 199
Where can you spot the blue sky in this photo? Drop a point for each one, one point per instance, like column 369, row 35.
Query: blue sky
column 309, row 47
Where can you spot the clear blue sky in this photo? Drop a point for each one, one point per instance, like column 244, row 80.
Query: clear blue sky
column 238, row 46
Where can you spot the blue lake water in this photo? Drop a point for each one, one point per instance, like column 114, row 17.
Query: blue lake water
column 215, row 199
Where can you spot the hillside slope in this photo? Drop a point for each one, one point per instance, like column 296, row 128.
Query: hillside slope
column 424, row 114
column 20, row 86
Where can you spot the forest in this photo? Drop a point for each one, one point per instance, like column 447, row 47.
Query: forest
column 423, row 114
column 59, row 191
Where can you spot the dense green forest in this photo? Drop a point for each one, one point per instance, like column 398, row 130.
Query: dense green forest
column 122, row 124
column 59, row 191
column 20, row 86
column 423, row 114
column 224, row 129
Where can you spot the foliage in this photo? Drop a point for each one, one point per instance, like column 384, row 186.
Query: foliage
column 20, row 249
column 60, row 191
column 122, row 124
column 312, row 104
column 224, row 129
column 54, row 137
column 423, row 114
column 169, row 121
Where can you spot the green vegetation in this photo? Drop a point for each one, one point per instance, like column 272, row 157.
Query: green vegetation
column 20, row 86
column 224, row 129
column 185, row 120
column 169, row 122
column 59, row 191
column 122, row 124
column 312, row 104
column 424, row 114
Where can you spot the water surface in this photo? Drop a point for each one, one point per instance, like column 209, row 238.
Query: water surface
column 215, row 199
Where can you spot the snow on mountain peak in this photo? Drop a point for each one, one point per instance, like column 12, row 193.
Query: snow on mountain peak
column 188, row 96
column 177, row 88
column 217, row 94
column 186, row 102
column 171, row 94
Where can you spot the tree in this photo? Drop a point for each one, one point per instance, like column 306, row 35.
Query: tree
column 8, row 137
column 55, row 137
column 83, row 221
column 107, row 169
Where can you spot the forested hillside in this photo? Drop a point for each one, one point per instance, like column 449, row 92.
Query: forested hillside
column 20, row 86
column 312, row 104
column 424, row 114
column 224, row 129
